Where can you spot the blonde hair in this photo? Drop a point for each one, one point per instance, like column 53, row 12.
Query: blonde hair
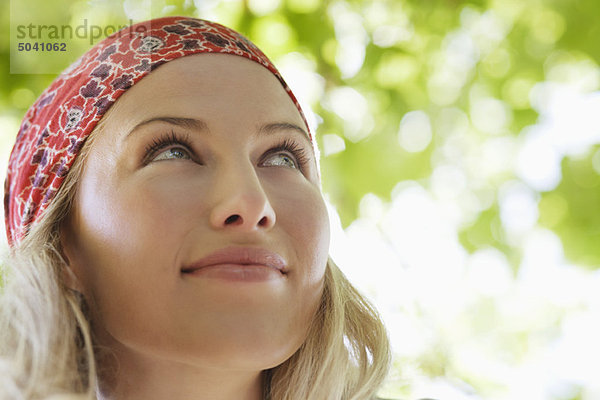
column 47, row 349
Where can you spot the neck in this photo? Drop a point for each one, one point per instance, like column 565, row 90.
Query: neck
column 140, row 377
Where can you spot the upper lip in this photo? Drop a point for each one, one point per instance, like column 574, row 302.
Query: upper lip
column 241, row 256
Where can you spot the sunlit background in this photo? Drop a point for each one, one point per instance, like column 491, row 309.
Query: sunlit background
column 460, row 145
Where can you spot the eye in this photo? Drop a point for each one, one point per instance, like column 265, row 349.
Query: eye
column 173, row 153
column 286, row 154
column 280, row 159
column 168, row 147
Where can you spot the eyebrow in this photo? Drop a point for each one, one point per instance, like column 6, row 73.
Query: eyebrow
column 201, row 126
column 188, row 123
column 281, row 126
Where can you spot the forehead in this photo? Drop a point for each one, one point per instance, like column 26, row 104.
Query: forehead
column 212, row 87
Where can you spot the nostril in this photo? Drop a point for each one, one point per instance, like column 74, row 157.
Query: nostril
column 264, row 221
column 232, row 219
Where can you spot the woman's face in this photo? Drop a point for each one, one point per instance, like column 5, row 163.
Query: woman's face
column 205, row 157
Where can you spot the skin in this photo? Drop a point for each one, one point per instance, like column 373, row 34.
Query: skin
column 134, row 225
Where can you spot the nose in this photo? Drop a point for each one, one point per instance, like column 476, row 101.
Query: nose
column 242, row 203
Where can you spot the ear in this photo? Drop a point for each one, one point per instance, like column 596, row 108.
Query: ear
column 72, row 274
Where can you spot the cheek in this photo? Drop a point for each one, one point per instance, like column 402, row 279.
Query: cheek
column 312, row 219
column 303, row 216
column 137, row 213
column 130, row 238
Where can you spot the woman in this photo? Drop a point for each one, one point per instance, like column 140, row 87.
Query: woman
column 168, row 234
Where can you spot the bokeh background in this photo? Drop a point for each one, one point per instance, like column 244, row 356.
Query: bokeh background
column 460, row 145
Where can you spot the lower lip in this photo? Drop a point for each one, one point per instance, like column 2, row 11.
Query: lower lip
column 238, row 272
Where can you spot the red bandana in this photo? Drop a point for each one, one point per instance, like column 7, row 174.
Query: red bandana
column 57, row 124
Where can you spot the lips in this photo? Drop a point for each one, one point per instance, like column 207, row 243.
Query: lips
column 239, row 256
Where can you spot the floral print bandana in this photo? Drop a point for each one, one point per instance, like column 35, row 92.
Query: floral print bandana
column 56, row 126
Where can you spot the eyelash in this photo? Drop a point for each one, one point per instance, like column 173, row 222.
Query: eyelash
column 286, row 145
column 166, row 140
column 295, row 149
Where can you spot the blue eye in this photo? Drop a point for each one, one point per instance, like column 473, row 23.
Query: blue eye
column 173, row 153
column 287, row 154
column 281, row 159
column 178, row 151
